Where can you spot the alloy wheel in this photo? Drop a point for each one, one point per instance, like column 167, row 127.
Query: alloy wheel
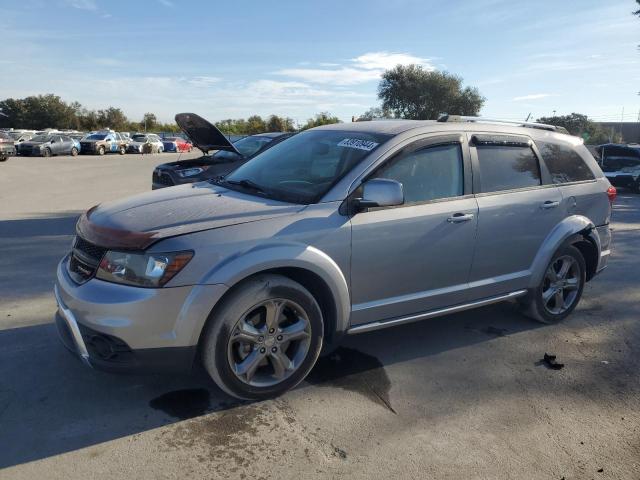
column 269, row 342
column 561, row 285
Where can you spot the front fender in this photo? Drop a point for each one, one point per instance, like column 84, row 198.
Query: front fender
column 267, row 257
column 561, row 234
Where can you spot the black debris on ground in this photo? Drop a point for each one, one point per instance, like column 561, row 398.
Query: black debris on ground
column 549, row 361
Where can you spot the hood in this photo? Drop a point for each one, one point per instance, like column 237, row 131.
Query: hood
column 138, row 222
column 203, row 134
column 34, row 143
column 90, row 141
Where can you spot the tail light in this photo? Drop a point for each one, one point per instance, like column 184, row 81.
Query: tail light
column 612, row 193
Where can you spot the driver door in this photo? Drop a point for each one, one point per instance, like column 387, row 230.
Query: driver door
column 417, row 256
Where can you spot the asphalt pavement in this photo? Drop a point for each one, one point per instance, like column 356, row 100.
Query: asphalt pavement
column 461, row 396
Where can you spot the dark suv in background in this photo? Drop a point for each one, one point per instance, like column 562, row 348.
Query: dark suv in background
column 229, row 156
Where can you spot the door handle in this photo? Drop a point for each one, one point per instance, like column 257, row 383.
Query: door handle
column 460, row 217
column 549, row 204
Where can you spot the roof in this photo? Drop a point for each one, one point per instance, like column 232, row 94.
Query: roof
column 391, row 127
column 396, row 127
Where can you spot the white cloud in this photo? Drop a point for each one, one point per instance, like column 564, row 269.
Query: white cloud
column 386, row 60
column 203, row 81
column 82, row 4
column 166, row 3
column 365, row 68
column 535, row 96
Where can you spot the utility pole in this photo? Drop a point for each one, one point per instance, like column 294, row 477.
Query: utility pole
column 528, row 117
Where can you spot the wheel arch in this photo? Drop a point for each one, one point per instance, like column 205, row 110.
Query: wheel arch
column 575, row 230
column 307, row 265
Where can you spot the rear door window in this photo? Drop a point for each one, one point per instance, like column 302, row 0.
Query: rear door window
column 564, row 163
column 507, row 167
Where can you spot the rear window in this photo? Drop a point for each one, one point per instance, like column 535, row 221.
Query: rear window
column 564, row 163
column 507, row 168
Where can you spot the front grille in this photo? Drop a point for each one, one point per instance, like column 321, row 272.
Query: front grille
column 84, row 260
column 86, row 146
column 163, row 179
column 93, row 251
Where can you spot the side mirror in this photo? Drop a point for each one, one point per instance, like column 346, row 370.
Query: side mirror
column 380, row 192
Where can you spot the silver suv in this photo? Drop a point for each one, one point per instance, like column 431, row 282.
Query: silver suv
column 338, row 230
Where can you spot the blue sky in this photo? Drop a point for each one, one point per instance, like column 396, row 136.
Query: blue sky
column 225, row 59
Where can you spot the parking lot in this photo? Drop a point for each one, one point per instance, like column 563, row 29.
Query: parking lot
column 460, row 396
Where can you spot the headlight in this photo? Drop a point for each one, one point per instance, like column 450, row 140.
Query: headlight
column 142, row 269
column 190, row 172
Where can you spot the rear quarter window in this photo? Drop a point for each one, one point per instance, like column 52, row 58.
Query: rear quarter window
column 564, row 163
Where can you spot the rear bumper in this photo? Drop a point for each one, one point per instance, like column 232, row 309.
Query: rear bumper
column 604, row 235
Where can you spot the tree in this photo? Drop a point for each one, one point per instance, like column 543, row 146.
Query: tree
column 637, row 12
column 149, row 121
column 279, row 124
column 581, row 126
column 38, row 112
column 374, row 112
column 255, row 124
column 412, row 92
column 113, row 118
column 322, row 118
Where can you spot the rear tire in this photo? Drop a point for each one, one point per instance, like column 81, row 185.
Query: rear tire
column 74, row 152
column 122, row 150
column 560, row 289
column 263, row 339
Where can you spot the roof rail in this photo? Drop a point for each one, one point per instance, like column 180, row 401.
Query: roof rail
column 461, row 118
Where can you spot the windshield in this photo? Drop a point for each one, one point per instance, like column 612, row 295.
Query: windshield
column 40, row 138
column 97, row 136
column 15, row 135
column 304, row 167
column 247, row 147
column 139, row 138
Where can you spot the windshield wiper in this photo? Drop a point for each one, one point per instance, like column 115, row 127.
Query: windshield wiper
column 248, row 184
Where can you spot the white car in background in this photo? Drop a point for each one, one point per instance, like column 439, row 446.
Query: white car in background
column 138, row 141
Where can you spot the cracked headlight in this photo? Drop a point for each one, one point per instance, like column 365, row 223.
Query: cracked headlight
column 142, row 269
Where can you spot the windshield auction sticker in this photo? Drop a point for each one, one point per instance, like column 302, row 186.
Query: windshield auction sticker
column 359, row 144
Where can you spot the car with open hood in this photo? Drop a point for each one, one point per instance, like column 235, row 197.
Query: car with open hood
column 145, row 142
column 621, row 165
column 48, row 145
column 339, row 230
column 229, row 154
column 99, row 143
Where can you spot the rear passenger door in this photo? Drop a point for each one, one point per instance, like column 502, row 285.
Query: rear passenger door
column 518, row 207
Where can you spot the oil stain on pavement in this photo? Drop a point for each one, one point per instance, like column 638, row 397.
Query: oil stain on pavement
column 355, row 371
column 183, row 404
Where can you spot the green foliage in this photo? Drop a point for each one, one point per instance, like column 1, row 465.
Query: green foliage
column 322, row 118
column 280, row 124
column 50, row 111
column 255, row 124
column 579, row 125
column 412, row 92
column 375, row 112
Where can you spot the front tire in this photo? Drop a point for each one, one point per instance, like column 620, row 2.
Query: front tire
column 122, row 150
column 264, row 338
column 561, row 288
column 101, row 151
column 47, row 152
